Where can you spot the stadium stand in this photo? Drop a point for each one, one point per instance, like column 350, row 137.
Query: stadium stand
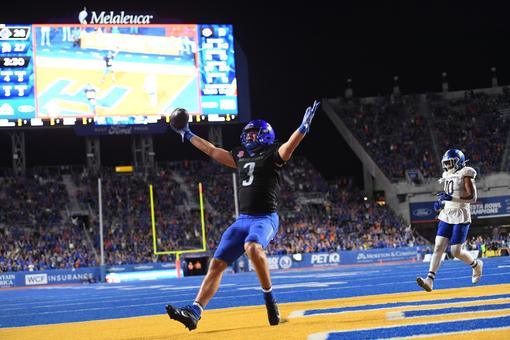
column 409, row 132
column 315, row 217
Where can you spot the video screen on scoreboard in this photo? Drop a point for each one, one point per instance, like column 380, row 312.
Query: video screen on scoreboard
column 108, row 74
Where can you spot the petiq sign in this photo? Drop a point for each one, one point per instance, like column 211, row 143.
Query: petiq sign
column 111, row 17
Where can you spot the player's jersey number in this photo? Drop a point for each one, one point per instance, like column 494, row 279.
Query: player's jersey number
column 251, row 168
column 448, row 187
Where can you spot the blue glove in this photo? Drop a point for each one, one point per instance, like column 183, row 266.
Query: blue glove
column 307, row 119
column 443, row 196
column 438, row 205
column 185, row 132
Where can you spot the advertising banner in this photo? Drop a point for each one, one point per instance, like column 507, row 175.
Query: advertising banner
column 485, row 207
column 337, row 258
column 488, row 207
column 56, row 276
column 140, row 267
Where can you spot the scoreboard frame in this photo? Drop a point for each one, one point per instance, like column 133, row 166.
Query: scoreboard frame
column 212, row 56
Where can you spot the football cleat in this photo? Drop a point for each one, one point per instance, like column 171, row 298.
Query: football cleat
column 184, row 315
column 426, row 284
column 273, row 315
column 477, row 272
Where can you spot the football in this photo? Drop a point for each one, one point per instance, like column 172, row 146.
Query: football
column 178, row 118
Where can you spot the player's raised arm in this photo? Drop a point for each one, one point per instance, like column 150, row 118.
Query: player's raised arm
column 218, row 154
column 286, row 149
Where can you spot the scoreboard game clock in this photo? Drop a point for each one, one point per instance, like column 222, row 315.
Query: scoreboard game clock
column 116, row 74
column 17, row 98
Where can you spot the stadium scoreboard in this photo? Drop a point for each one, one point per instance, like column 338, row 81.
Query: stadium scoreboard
column 16, row 72
column 106, row 74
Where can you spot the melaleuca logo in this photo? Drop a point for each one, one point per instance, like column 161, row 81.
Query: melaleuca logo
column 82, row 17
column 112, row 17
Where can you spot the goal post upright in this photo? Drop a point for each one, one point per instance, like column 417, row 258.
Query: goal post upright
column 178, row 253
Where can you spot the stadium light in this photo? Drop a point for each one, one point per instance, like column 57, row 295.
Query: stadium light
column 396, row 87
column 445, row 82
column 348, row 89
column 494, row 78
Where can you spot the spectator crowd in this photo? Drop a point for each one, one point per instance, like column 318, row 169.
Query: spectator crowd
column 403, row 133
column 316, row 216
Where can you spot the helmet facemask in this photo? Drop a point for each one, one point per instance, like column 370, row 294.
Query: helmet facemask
column 257, row 134
column 450, row 165
column 251, row 137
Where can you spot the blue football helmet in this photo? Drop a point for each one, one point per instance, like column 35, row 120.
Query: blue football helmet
column 265, row 134
column 453, row 159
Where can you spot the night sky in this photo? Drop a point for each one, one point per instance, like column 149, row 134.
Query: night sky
column 301, row 52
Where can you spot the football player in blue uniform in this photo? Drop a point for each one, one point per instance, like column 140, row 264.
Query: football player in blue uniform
column 108, row 65
column 454, row 217
column 258, row 162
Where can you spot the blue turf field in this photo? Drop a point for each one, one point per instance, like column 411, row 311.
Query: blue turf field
column 61, row 304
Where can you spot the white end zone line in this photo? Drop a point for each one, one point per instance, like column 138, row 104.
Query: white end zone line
column 394, row 315
column 456, row 332
column 401, row 315
column 324, row 335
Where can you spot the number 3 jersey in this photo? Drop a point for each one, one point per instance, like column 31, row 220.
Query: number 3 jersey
column 258, row 179
column 456, row 212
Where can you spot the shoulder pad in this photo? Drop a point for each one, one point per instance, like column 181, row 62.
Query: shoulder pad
column 468, row 172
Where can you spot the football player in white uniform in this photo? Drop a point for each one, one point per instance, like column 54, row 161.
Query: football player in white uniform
column 91, row 94
column 454, row 217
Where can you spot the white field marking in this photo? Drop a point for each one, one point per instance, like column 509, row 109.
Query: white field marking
column 301, row 313
column 88, row 302
column 504, row 266
column 324, row 335
column 86, row 299
column 155, row 294
column 320, row 275
column 457, row 332
column 297, row 314
column 143, row 287
column 319, row 336
column 193, row 287
column 88, row 309
column 444, row 276
column 115, row 297
column 298, row 285
column 396, row 316
column 4, row 315
column 180, row 288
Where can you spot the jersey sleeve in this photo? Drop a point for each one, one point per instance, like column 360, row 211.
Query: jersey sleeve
column 278, row 161
column 443, row 177
column 469, row 172
column 237, row 153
